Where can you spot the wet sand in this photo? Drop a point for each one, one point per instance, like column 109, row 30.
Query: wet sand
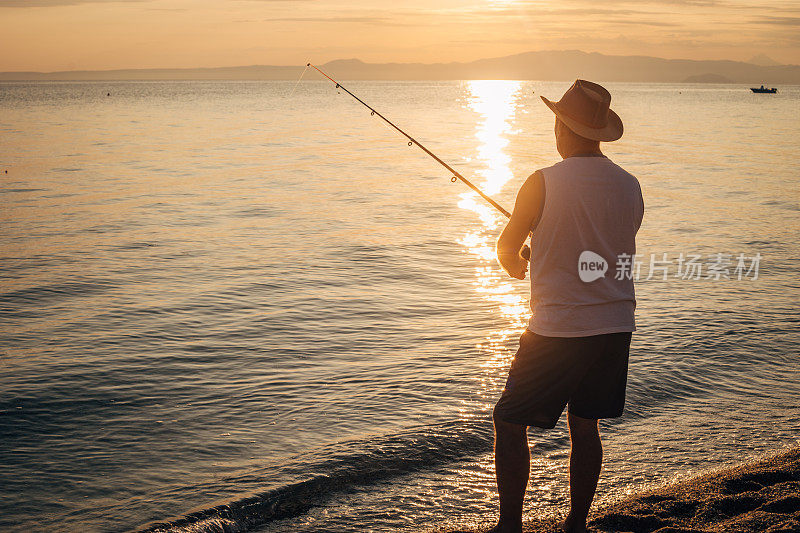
column 761, row 496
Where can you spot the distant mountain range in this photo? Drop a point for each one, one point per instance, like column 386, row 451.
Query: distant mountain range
column 562, row 65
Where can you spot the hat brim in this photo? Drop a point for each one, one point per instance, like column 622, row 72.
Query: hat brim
column 612, row 131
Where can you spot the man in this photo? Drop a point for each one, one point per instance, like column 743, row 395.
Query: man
column 583, row 213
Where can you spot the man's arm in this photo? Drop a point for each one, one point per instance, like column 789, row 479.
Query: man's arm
column 527, row 210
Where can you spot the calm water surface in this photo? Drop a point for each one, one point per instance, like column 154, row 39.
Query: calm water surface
column 215, row 293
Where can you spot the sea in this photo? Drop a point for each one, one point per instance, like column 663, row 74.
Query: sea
column 252, row 306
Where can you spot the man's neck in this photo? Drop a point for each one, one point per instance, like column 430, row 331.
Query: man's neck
column 583, row 151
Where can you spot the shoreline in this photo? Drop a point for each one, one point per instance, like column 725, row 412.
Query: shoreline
column 762, row 495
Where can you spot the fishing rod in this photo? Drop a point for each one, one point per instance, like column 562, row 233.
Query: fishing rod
column 412, row 141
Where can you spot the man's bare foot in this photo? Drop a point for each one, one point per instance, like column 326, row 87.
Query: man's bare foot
column 570, row 525
column 504, row 527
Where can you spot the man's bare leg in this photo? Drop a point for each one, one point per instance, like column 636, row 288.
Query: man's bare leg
column 512, row 460
column 585, row 461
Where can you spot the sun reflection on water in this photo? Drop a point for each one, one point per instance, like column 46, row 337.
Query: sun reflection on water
column 496, row 102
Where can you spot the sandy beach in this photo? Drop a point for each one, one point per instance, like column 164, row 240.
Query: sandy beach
column 760, row 496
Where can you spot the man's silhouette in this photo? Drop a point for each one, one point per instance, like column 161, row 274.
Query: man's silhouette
column 575, row 349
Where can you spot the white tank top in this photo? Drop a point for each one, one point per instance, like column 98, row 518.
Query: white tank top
column 592, row 211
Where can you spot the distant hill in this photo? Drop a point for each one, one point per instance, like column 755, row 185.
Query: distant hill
column 707, row 78
column 254, row 72
column 564, row 65
column 763, row 60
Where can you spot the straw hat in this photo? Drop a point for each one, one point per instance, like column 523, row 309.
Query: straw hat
column 584, row 109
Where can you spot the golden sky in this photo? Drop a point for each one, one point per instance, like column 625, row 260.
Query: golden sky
column 48, row 35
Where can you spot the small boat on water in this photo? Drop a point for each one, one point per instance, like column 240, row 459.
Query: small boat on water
column 763, row 89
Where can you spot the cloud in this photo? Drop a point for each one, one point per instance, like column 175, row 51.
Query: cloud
column 644, row 22
column 780, row 21
column 54, row 3
column 359, row 20
column 695, row 3
column 589, row 6
column 565, row 11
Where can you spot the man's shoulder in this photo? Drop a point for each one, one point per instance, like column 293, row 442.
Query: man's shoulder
column 554, row 165
column 618, row 167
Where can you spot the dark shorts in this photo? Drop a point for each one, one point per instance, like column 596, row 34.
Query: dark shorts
column 547, row 373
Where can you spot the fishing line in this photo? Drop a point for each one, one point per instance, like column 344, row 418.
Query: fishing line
column 298, row 81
